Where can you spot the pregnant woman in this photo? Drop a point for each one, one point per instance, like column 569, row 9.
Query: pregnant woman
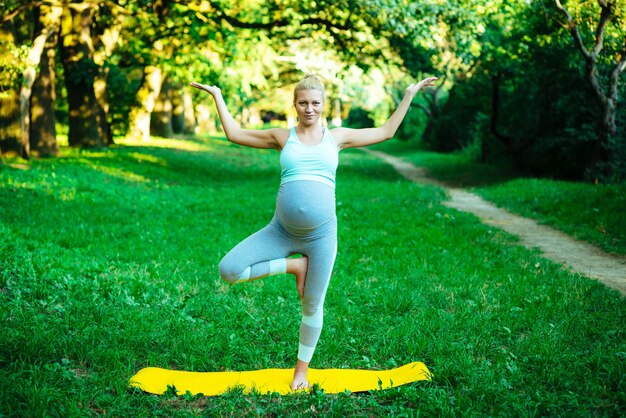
column 304, row 222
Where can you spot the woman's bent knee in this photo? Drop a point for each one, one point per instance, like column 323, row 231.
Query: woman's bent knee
column 232, row 273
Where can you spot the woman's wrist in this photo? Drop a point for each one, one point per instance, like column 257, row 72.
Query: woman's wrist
column 217, row 96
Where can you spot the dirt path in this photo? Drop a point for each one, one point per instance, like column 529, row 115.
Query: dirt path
column 578, row 256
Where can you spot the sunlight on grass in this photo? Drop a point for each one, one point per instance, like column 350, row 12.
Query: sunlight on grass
column 20, row 166
column 121, row 174
column 148, row 158
column 203, row 144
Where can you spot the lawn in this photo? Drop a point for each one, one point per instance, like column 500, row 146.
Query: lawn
column 595, row 213
column 109, row 264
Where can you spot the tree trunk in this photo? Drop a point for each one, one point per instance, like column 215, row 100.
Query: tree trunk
column 336, row 120
column 190, row 115
column 48, row 24
column 105, row 45
column 80, row 72
column 433, row 111
column 515, row 147
column 609, row 99
column 102, row 99
column 253, row 116
column 42, row 135
column 178, row 110
column 30, row 73
column 205, row 120
column 10, row 128
column 161, row 119
column 42, row 128
column 608, row 125
column 139, row 118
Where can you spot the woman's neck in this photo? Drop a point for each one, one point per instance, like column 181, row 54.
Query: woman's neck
column 309, row 129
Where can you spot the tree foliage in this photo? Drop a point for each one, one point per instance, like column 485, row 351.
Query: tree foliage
column 525, row 95
column 515, row 76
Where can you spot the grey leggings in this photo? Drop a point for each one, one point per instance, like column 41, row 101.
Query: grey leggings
column 304, row 223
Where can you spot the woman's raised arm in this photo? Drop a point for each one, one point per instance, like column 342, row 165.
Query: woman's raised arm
column 354, row 138
column 265, row 138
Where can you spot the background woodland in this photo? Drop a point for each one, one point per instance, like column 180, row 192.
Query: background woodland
column 535, row 83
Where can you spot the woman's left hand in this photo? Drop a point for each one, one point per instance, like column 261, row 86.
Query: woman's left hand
column 414, row 88
column 214, row 90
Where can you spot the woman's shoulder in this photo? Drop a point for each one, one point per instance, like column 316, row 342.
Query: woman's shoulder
column 280, row 131
column 280, row 135
column 339, row 134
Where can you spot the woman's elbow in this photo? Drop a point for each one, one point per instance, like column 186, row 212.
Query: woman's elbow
column 387, row 134
column 387, row 131
column 232, row 135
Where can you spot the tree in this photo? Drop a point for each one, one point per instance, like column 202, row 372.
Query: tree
column 17, row 59
column 513, row 84
column 138, row 45
column 139, row 118
column 80, row 70
column 38, row 127
column 607, row 96
column 161, row 123
column 107, row 30
column 444, row 39
column 11, row 71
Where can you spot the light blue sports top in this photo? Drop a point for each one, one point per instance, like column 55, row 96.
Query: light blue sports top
column 309, row 162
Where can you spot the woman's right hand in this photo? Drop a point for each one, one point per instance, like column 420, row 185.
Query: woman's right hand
column 414, row 88
column 210, row 89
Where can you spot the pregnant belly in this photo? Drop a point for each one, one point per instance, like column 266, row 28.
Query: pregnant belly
column 305, row 204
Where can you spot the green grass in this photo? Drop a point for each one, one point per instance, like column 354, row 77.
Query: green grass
column 109, row 264
column 456, row 169
column 590, row 212
column 595, row 213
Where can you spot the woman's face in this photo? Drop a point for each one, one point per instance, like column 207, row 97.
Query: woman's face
column 309, row 106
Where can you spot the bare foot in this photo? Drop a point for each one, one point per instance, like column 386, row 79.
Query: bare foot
column 299, row 376
column 298, row 267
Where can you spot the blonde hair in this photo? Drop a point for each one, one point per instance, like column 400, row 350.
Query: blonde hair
column 309, row 82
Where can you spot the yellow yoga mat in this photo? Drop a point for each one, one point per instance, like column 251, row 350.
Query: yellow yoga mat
column 156, row 380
